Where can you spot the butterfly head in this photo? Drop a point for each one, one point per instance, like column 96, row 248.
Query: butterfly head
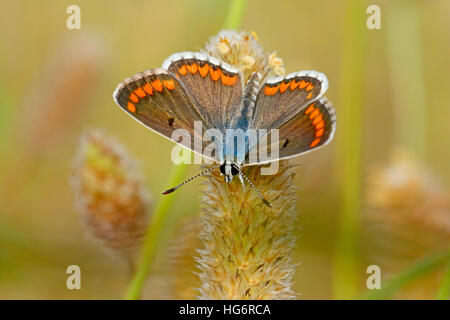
column 229, row 170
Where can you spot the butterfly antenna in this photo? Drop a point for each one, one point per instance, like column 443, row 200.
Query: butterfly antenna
column 190, row 179
column 267, row 203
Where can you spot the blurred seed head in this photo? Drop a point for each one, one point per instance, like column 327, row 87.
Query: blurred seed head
column 406, row 216
column 180, row 263
column 242, row 50
column 173, row 274
column 54, row 102
column 110, row 194
column 404, row 192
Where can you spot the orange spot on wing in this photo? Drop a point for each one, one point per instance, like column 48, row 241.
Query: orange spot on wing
column 169, row 84
column 310, row 109
column 157, row 85
column 320, row 125
column 182, row 70
column 192, row 68
column 133, row 98
column 228, row 80
column 267, row 91
column 131, row 107
column 232, row 80
column 314, row 114
column 203, row 70
column 294, row 84
column 317, row 119
column 302, row 84
column 215, row 74
column 275, row 89
column 140, row 92
column 224, row 79
column 148, row 88
column 319, row 133
column 309, row 96
column 309, row 87
column 284, row 86
column 314, row 143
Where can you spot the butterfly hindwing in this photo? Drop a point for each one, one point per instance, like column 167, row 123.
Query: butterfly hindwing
column 215, row 86
column 281, row 98
column 157, row 100
column 311, row 128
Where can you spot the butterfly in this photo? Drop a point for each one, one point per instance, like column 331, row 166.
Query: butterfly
column 193, row 87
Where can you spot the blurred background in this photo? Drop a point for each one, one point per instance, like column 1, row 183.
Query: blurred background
column 377, row 195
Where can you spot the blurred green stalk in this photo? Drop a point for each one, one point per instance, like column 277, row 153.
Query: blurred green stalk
column 415, row 271
column 345, row 279
column 5, row 120
column 444, row 290
column 7, row 232
column 406, row 74
column 161, row 214
column 6, row 104
column 235, row 13
column 153, row 236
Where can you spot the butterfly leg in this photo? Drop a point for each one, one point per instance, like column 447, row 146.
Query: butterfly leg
column 242, row 180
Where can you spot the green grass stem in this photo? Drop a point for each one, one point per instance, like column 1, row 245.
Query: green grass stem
column 154, row 233
column 406, row 74
column 235, row 12
column 415, row 271
column 350, row 105
column 444, row 290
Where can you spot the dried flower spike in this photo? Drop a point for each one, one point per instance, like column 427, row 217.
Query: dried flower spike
column 277, row 64
column 247, row 246
column 242, row 50
column 110, row 194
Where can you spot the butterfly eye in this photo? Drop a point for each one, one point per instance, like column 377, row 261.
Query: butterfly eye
column 234, row 169
column 222, row 169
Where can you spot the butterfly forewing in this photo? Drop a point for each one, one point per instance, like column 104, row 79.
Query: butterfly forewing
column 280, row 99
column 215, row 86
column 156, row 99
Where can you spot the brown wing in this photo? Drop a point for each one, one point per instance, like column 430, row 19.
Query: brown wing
column 215, row 86
column 281, row 98
column 311, row 128
column 156, row 99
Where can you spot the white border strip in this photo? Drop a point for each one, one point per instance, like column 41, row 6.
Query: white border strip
column 198, row 56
